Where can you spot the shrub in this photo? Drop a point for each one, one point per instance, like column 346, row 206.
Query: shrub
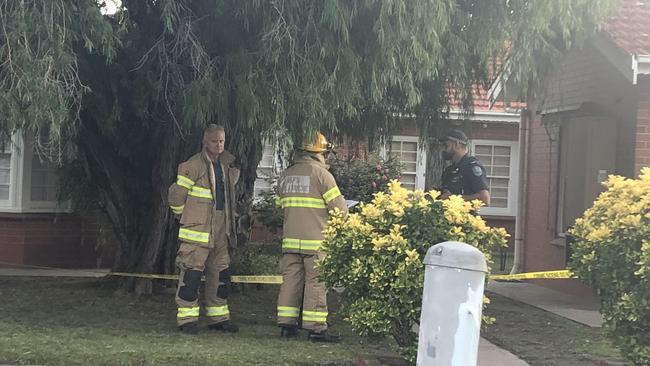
column 267, row 212
column 359, row 179
column 255, row 259
column 377, row 255
column 612, row 255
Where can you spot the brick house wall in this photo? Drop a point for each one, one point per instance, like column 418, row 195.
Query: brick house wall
column 51, row 240
column 585, row 88
column 642, row 137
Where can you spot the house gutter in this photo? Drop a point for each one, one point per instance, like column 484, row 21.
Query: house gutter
column 640, row 66
column 520, row 220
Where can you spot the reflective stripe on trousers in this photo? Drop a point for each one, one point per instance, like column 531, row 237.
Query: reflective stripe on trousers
column 301, row 244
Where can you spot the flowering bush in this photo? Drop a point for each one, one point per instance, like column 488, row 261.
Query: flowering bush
column 377, row 253
column 612, row 255
column 358, row 179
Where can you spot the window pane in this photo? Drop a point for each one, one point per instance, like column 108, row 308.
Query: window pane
column 409, row 167
column 483, row 150
column 409, row 156
column 37, row 194
column 410, row 146
column 408, row 178
column 502, row 160
column 4, row 176
column 496, row 160
column 499, row 193
column 501, row 171
column 44, row 180
column 499, row 182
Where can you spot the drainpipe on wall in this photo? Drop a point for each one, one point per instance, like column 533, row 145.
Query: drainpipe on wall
column 520, row 221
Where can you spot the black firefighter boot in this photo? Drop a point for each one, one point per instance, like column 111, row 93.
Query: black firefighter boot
column 323, row 336
column 288, row 332
column 224, row 326
column 189, row 328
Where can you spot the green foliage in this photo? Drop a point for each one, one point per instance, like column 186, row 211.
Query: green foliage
column 267, row 212
column 612, row 255
column 376, row 255
column 40, row 88
column 256, row 259
column 131, row 92
column 359, row 178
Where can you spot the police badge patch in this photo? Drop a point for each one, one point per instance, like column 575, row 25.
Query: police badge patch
column 477, row 170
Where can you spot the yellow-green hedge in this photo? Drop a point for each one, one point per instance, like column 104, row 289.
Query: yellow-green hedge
column 377, row 255
column 612, row 255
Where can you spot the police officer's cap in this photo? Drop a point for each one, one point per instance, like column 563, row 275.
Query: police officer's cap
column 455, row 135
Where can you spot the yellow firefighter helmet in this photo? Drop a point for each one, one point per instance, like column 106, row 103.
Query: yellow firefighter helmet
column 316, row 144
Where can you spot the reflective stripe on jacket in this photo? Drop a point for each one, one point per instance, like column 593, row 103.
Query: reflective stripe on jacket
column 192, row 198
column 306, row 192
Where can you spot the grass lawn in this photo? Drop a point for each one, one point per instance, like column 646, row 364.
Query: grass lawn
column 85, row 322
column 543, row 338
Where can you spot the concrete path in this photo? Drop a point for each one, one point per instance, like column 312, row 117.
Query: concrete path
column 491, row 355
column 582, row 309
column 42, row 272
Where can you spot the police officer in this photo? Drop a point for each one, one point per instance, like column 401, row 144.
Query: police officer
column 465, row 176
column 306, row 192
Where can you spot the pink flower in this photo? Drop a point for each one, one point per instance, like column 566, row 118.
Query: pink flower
column 384, row 177
column 373, row 184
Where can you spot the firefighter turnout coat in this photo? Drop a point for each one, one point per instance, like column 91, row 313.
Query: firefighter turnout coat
column 306, row 192
column 192, row 198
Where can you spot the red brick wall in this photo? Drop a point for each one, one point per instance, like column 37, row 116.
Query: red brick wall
column 53, row 240
column 642, row 138
column 585, row 80
column 494, row 131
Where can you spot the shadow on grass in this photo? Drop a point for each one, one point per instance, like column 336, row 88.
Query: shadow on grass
column 85, row 321
column 543, row 338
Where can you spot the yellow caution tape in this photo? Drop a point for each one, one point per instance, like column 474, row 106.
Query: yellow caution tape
column 564, row 273
column 144, row 275
column 272, row 280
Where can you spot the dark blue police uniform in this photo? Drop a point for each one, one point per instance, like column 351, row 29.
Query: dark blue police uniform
column 465, row 177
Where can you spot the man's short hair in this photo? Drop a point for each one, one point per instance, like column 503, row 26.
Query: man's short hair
column 457, row 136
column 213, row 128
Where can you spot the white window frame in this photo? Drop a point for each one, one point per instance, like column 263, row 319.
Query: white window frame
column 421, row 157
column 277, row 166
column 20, row 183
column 15, row 175
column 513, row 182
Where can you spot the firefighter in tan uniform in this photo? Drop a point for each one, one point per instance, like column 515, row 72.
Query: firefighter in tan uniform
column 306, row 192
column 203, row 197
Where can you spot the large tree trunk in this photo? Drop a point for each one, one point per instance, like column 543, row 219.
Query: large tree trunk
column 135, row 199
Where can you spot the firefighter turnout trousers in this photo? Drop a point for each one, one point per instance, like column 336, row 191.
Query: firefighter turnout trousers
column 300, row 286
column 212, row 260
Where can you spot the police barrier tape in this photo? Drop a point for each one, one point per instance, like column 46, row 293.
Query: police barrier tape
column 560, row 274
column 277, row 280
column 271, row 280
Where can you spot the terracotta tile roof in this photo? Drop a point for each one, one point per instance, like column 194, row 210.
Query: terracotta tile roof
column 481, row 102
column 630, row 26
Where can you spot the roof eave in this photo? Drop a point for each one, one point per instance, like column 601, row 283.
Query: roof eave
column 642, row 66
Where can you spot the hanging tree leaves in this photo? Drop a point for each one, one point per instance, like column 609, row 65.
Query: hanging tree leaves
column 131, row 91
